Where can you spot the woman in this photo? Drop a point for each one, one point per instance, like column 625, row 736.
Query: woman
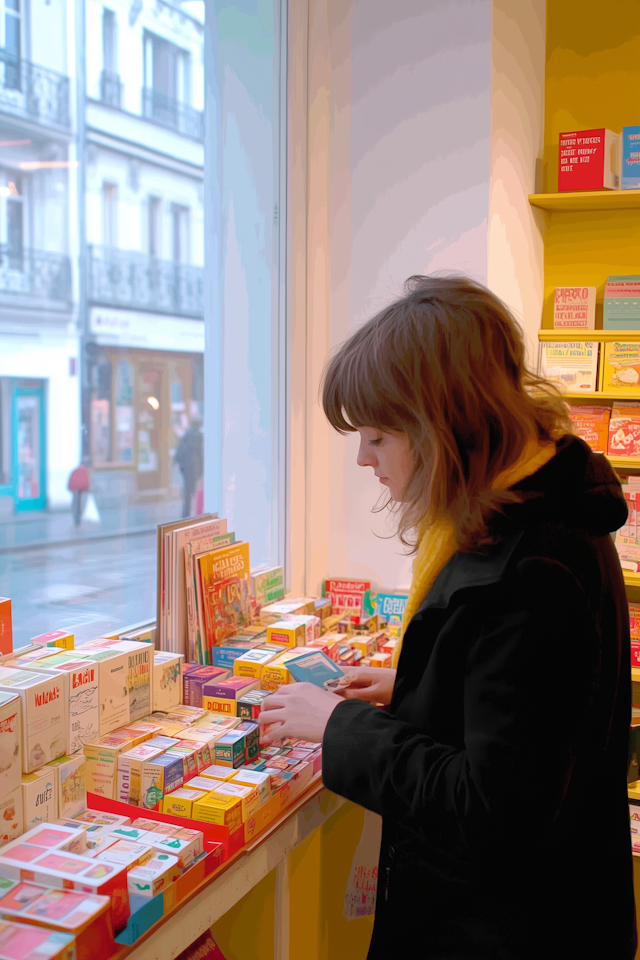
column 499, row 761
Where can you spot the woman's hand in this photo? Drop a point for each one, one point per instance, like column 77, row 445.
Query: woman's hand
column 297, row 710
column 373, row 684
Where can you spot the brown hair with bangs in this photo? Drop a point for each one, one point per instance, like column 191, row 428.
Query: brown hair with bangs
column 445, row 365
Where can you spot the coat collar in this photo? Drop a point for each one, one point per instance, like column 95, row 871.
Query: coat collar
column 470, row 570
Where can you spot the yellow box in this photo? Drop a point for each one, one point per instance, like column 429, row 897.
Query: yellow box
column 381, row 660
column 287, row 633
column 249, row 796
column 366, row 644
column 307, row 605
column 275, row 674
column 180, row 802
column 329, row 624
column 223, row 810
column 255, row 778
column 217, row 772
column 252, row 662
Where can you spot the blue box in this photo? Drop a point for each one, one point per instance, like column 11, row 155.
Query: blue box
column 391, row 606
column 224, row 655
column 630, row 179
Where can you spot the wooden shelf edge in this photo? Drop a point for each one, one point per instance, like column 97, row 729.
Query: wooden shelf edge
column 587, row 200
column 549, row 335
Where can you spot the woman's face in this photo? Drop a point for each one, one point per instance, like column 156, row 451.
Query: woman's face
column 389, row 455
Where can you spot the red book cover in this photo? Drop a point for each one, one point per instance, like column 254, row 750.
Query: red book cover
column 589, row 160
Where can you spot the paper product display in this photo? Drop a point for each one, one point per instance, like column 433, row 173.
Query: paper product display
column 571, row 364
column 39, row 797
column 167, row 679
column 154, row 876
column 10, row 741
column 574, row 307
column 44, row 715
column 11, row 815
column 80, row 683
column 22, row 941
column 71, row 787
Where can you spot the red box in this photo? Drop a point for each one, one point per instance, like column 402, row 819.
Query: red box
column 589, row 160
column 6, row 629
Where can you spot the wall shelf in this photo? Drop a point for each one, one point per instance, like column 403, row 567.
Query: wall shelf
column 631, row 579
column 587, row 200
column 559, row 336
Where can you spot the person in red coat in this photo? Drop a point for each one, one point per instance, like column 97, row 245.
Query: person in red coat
column 498, row 761
column 77, row 485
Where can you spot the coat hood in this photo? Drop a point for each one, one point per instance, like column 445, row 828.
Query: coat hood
column 576, row 487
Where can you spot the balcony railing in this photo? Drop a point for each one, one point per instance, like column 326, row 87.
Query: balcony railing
column 171, row 113
column 34, row 92
column 111, row 89
column 35, row 274
column 125, row 278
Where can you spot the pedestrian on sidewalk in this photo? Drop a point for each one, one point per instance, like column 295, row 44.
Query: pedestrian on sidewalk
column 77, row 485
column 189, row 456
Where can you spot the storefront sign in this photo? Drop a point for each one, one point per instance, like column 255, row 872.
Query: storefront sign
column 148, row 331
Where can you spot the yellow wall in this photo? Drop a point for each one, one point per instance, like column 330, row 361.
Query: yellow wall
column 318, row 873
column 592, row 79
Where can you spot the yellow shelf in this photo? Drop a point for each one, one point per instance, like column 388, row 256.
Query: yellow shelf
column 619, row 463
column 631, row 579
column 587, row 200
column 555, row 336
column 592, row 397
column 633, row 790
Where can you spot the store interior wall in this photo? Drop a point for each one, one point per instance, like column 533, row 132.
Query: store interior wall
column 397, row 142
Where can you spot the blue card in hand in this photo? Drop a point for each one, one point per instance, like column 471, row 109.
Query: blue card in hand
column 315, row 668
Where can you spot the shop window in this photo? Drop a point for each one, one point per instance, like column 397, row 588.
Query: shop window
column 124, row 425
column 10, row 36
column 5, row 432
column 110, row 215
column 155, row 227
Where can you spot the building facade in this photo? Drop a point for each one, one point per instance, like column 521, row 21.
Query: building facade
column 101, row 247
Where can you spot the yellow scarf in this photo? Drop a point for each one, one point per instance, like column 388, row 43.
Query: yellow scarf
column 439, row 545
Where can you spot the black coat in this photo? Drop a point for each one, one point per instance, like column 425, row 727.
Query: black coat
column 500, row 766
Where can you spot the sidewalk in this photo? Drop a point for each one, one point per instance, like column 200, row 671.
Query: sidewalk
column 24, row 531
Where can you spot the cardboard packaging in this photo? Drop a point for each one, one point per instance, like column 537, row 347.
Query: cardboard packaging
column 180, row 802
column 624, row 430
column 200, row 749
column 349, row 595
column 267, row 585
column 252, row 662
column 589, row 160
column 189, row 762
column 55, row 638
column 248, row 707
column 574, row 307
column 127, row 854
column 80, row 683
column 44, row 715
column 113, row 684
column 630, row 178
column 130, row 765
column 288, row 633
column 22, row 941
column 251, row 731
column 273, row 612
column 167, row 679
column 224, row 655
column 100, row 818
column 380, row 659
column 391, row 606
column 139, row 677
column 222, row 697
column 11, row 815
column 101, row 768
column 10, row 742
column 230, row 750
column 249, row 796
column 162, row 775
column 6, row 627
column 53, row 836
column 223, row 810
column 634, row 629
column 275, row 674
column 194, row 681
column 217, row 772
column 573, row 365
column 39, row 797
column 621, row 307
column 185, row 845
column 591, row 424
column 255, row 778
column 70, row 785
column 154, row 876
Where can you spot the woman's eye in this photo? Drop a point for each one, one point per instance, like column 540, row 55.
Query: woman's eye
column 375, row 443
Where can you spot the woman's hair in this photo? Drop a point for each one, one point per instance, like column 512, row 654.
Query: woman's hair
column 445, row 365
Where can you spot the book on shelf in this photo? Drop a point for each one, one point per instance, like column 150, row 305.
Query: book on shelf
column 224, row 593
column 624, row 431
column 588, row 160
column 621, row 368
column 627, row 538
column 571, row 364
column 574, row 307
column 630, row 179
column 621, row 306
column 591, row 424
column 192, row 551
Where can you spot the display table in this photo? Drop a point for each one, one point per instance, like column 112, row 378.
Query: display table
column 257, row 881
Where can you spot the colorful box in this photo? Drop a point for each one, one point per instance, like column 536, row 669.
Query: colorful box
column 572, row 364
column 44, row 715
column 70, row 785
column 180, row 802
column 589, row 160
column 222, row 697
column 101, row 768
column 6, row 627
column 154, row 876
column 284, row 609
column 230, row 750
column 346, row 595
column 194, row 680
column 574, row 307
column 167, row 679
column 249, row 706
column 223, row 810
column 276, row 673
column 55, row 638
column 189, row 761
column 591, row 424
column 11, row 815
column 80, row 682
column 113, row 684
column 630, row 178
column 267, row 584
column 251, row 663
column 22, row 941
column 288, row 633
column 621, row 307
column 130, row 765
column 624, row 430
column 255, row 778
column 127, row 854
column 224, row 655
column 162, row 775
column 217, row 772
column 10, row 742
column 39, row 797
column 249, row 796
column 251, row 731
column 186, row 845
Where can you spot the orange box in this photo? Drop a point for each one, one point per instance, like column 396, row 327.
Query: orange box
column 591, row 424
column 624, row 430
column 6, row 630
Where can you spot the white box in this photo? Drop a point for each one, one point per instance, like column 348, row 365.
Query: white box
column 167, row 680
column 39, row 797
column 80, row 680
column 44, row 715
column 71, row 786
column 140, row 677
column 11, row 815
column 129, row 776
column 154, row 876
column 10, row 742
column 113, row 686
column 186, row 850
column 126, row 854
